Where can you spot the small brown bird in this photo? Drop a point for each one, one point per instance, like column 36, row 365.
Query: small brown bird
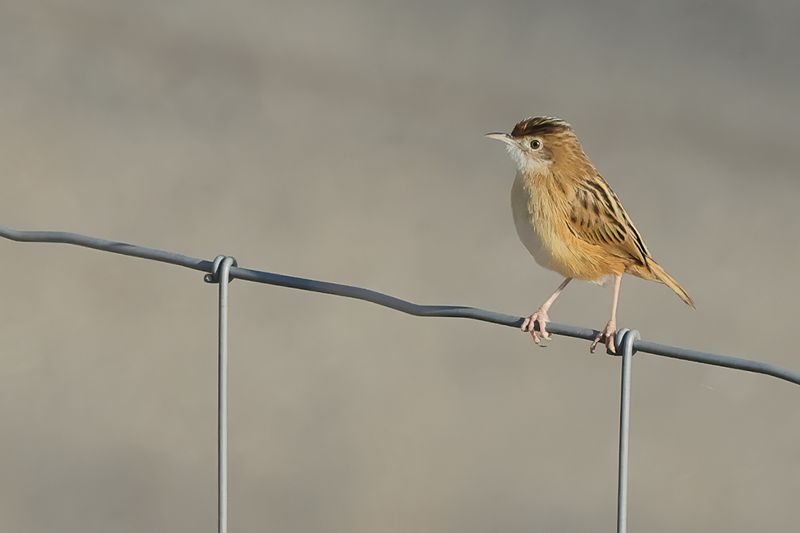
column 571, row 221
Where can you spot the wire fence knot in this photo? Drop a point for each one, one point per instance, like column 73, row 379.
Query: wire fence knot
column 213, row 276
column 622, row 337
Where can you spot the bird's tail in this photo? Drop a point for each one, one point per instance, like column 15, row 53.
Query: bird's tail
column 656, row 273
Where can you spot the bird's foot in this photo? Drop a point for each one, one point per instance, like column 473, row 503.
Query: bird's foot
column 529, row 325
column 607, row 335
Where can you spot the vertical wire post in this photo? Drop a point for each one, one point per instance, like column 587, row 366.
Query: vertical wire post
column 627, row 338
column 221, row 275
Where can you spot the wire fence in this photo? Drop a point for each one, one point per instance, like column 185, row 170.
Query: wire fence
column 223, row 269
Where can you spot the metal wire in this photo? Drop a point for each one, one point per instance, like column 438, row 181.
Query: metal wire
column 359, row 293
column 624, row 338
column 222, row 276
column 224, row 269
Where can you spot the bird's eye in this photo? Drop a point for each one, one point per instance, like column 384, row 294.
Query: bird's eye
column 536, row 144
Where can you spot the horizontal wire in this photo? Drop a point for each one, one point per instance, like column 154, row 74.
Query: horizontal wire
column 360, row 293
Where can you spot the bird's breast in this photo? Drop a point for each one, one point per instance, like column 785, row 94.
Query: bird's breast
column 527, row 215
column 541, row 216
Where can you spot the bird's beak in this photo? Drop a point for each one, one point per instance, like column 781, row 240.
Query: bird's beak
column 502, row 137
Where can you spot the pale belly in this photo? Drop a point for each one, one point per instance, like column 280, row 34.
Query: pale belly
column 520, row 208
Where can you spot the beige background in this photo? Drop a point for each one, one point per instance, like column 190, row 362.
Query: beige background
column 343, row 141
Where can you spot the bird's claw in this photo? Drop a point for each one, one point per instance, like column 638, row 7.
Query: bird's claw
column 529, row 326
column 607, row 335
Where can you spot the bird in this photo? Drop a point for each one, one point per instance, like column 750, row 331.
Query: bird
column 571, row 221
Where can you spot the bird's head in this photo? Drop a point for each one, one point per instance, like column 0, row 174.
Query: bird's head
column 538, row 143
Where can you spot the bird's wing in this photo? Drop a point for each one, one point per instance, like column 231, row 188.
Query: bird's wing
column 597, row 217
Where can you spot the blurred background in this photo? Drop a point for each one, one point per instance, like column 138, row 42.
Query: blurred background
column 343, row 141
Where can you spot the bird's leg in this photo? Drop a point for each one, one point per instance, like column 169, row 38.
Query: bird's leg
column 611, row 328
column 541, row 317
